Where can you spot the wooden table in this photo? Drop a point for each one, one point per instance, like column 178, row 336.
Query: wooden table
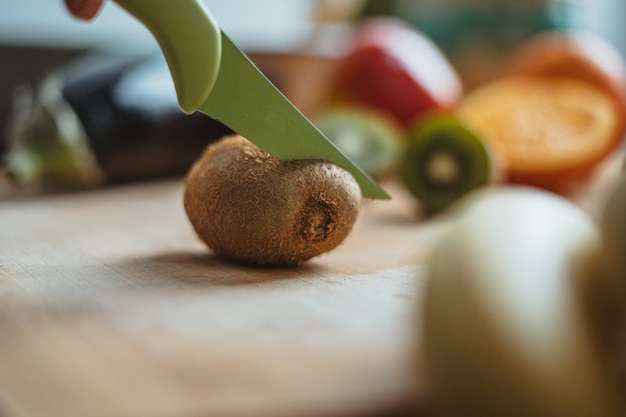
column 110, row 306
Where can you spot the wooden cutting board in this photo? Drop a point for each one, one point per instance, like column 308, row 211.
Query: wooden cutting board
column 110, row 306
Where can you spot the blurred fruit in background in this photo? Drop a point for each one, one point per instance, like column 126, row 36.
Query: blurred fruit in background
column 391, row 66
column 370, row 138
column 557, row 111
column 477, row 35
column 578, row 54
column 551, row 131
column 443, row 161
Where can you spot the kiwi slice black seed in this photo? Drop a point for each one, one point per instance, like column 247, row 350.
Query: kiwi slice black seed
column 369, row 138
column 443, row 161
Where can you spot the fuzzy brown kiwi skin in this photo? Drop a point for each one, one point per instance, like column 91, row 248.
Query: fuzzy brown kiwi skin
column 251, row 208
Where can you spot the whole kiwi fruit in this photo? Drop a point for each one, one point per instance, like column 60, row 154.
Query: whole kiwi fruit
column 252, row 208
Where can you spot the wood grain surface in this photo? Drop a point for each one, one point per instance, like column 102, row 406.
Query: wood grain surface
column 110, row 306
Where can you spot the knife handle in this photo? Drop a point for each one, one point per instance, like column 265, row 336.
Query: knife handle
column 190, row 40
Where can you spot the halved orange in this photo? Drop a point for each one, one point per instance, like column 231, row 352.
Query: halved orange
column 578, row 54
column 574, row 53
column 550, row 131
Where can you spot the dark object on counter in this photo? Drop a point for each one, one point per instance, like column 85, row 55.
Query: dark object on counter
column 378, row 8
column 104, row 119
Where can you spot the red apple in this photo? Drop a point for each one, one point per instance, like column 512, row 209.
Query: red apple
column 392, row 66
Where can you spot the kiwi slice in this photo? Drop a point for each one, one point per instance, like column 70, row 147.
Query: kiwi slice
column 369, row 138
column 443, row 161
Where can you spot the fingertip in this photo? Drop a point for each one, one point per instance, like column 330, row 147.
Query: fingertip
column 84, row 9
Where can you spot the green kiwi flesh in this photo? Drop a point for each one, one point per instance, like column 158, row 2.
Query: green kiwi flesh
column 370, row 139
column 443, row 161
column 251, row 208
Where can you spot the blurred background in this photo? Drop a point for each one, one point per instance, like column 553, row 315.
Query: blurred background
column 37, row 37
column 45, row 23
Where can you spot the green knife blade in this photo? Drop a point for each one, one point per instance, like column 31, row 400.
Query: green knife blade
column 244, row 100
column 212, row 75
